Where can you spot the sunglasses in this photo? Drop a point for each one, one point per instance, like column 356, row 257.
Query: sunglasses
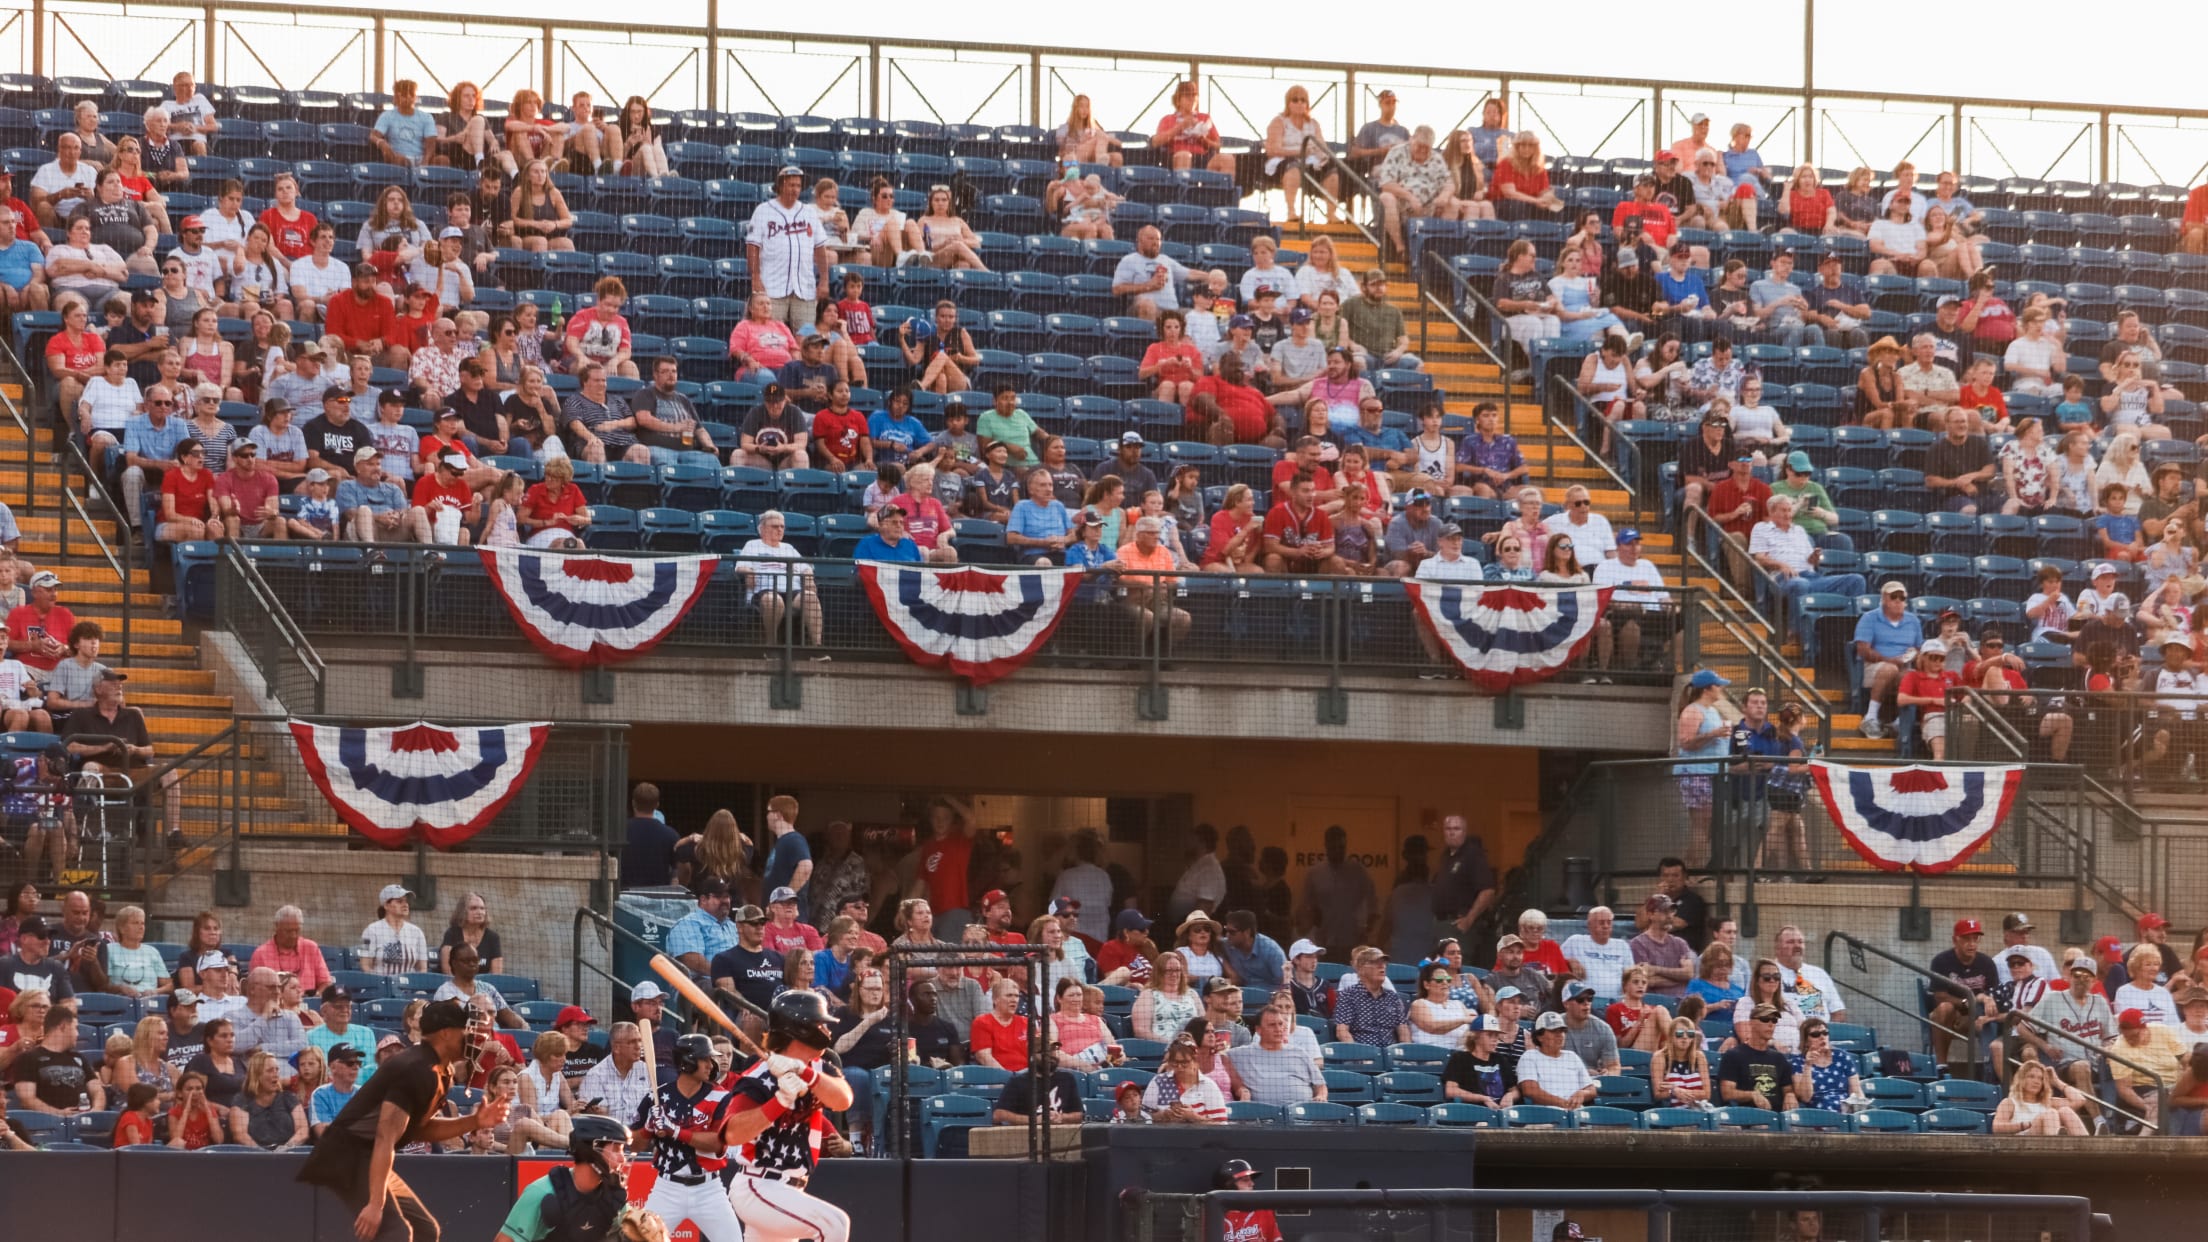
column 1582, row 504
column 1767, row 978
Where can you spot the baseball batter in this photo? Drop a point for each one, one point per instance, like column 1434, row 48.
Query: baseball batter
column 776, row 1124
column 682, row 1125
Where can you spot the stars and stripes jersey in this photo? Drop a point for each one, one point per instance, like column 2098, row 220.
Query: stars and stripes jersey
column 692, row 1115
column 787, row 238
column 791, row 1142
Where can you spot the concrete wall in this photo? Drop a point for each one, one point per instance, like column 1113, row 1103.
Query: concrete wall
column 532, row 899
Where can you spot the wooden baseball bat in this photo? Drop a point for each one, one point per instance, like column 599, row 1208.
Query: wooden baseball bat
column 679, row 979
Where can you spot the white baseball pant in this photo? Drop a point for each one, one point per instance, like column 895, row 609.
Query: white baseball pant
column 775, row 1211
column 704, row 1205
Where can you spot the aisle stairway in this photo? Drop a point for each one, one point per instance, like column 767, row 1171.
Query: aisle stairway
column 178, row 698
column 1459, row 367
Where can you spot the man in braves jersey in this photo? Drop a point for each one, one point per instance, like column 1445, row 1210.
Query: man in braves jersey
column 1254, row 1225
column 788, row 246
column 681, row 1124
column 776, row 1122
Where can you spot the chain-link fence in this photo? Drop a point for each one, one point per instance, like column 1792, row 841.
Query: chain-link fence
column 2158, row 741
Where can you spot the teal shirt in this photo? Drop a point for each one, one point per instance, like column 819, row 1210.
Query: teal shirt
column 526, row 1222
column 1017, row 429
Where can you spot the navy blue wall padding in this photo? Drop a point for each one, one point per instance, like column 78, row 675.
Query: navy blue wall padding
column 948, row 1189
column 58, row 1194
column 872, row 1191
column 199, row 1196
column 469, row 1195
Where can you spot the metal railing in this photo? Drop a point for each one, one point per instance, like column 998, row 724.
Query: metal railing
column 291, row 670
column 711, row 66
column 1570, row 430
column 1430, row 304
column 411, row 598
column 117, row 555
column 1924, row 986
column 1625, row 815
column 1699, row 533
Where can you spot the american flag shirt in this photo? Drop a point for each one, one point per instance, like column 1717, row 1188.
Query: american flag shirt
column 791, row 1142
column 692, row 1115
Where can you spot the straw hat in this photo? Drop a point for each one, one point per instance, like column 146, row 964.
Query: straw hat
column 1198, row 918
column 1886, row 344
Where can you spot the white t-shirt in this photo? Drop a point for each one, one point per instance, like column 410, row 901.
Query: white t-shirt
column 2178, row 686
column 1900, row 236
column 112, row 404
column 1616, row 573
column 756, row 559
column 94, row 253
column 787, row 238
column 202, row 270
column 1562, row 1075
column 870, row 224
column 1823, row 1000
column 1134, row 269
column 393, row 952
column 2043, row 963
column 223, row 230
column 197, row 111
column 1592, row 541
column 1606, row 963
column 2155, row 1002
column 51, row 179
column 15, row 683
column 1462, row 569
column 1311, row 282
column 320, row 283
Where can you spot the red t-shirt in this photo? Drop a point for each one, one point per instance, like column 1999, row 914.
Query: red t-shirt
column 1621, row 1015
column 1175, row 363
column 1118, row 953
column 858, row 320
column 1007, row 1039
column 55, row 624
column 78, row 353
column 1506, row 173
column 795, row 937
column 24, row 220
column 294, row 238
column 1728, row 496
column 1987, row 401
column 1549, row 956
column 925, row 521
column 250, row 493
column 943, row 863
column 1282, row 523
column 2196, row 206
column 133, row 1127
column 1657, row 220
column 428, row 493
column 357, row 324
column 840, row 434
column 1975, row 675
column 191, row 494
column 539, row 506
column 1251, row 413
column 1286, row 470
column 1810, row 211
column 413, row 330
column 434, row 447
column 1932, row 685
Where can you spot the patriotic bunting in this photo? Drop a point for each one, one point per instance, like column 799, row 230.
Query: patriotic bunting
column 1507, row 636
column 446, row 783
column 581, row 609
column 979, row 624
column 1931, row 819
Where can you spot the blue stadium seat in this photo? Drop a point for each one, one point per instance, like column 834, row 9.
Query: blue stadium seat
column 1676, row 1119
column 1604, row 1117
column 1320, row 1113
column 1532, row 1116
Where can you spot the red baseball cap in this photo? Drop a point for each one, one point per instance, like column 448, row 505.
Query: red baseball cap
column 2130, row 1020
column 574, row 1013
column 1665, row 153
column 2107, row 944
column 993, row 896
column 1969, row 927
column 2150, row 921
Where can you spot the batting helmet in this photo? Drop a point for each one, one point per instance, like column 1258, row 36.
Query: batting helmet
column 589, row 1132
column 1230, row 1173
column 801, row 1017
column 694, row 1055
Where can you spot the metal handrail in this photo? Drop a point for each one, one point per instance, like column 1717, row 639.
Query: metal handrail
column 26, row 424
column 73, row 454
column 286, row 629
column 1946, row 986
column 2098, row 1050
column 1782, row 670
column 1427, row 303
column 1695, row 517
column 1560, row 427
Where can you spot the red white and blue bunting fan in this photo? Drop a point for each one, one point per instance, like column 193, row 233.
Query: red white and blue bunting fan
column 981, row 624
column 444, row 782
column 581, row 609
column 1929, row 819
column 1506, row 636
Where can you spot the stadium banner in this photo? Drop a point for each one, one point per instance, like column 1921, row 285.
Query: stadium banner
column 981, row 624
column 445, row 783
column 580, row 609
column 1504, row 637
column 1917, row 817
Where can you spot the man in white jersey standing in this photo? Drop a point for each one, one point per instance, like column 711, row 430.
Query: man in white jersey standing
column 788, row 248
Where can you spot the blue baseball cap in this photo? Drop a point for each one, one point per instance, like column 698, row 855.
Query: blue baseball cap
column 1629, row 535
column 1703, row 679
column 1241, row 321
